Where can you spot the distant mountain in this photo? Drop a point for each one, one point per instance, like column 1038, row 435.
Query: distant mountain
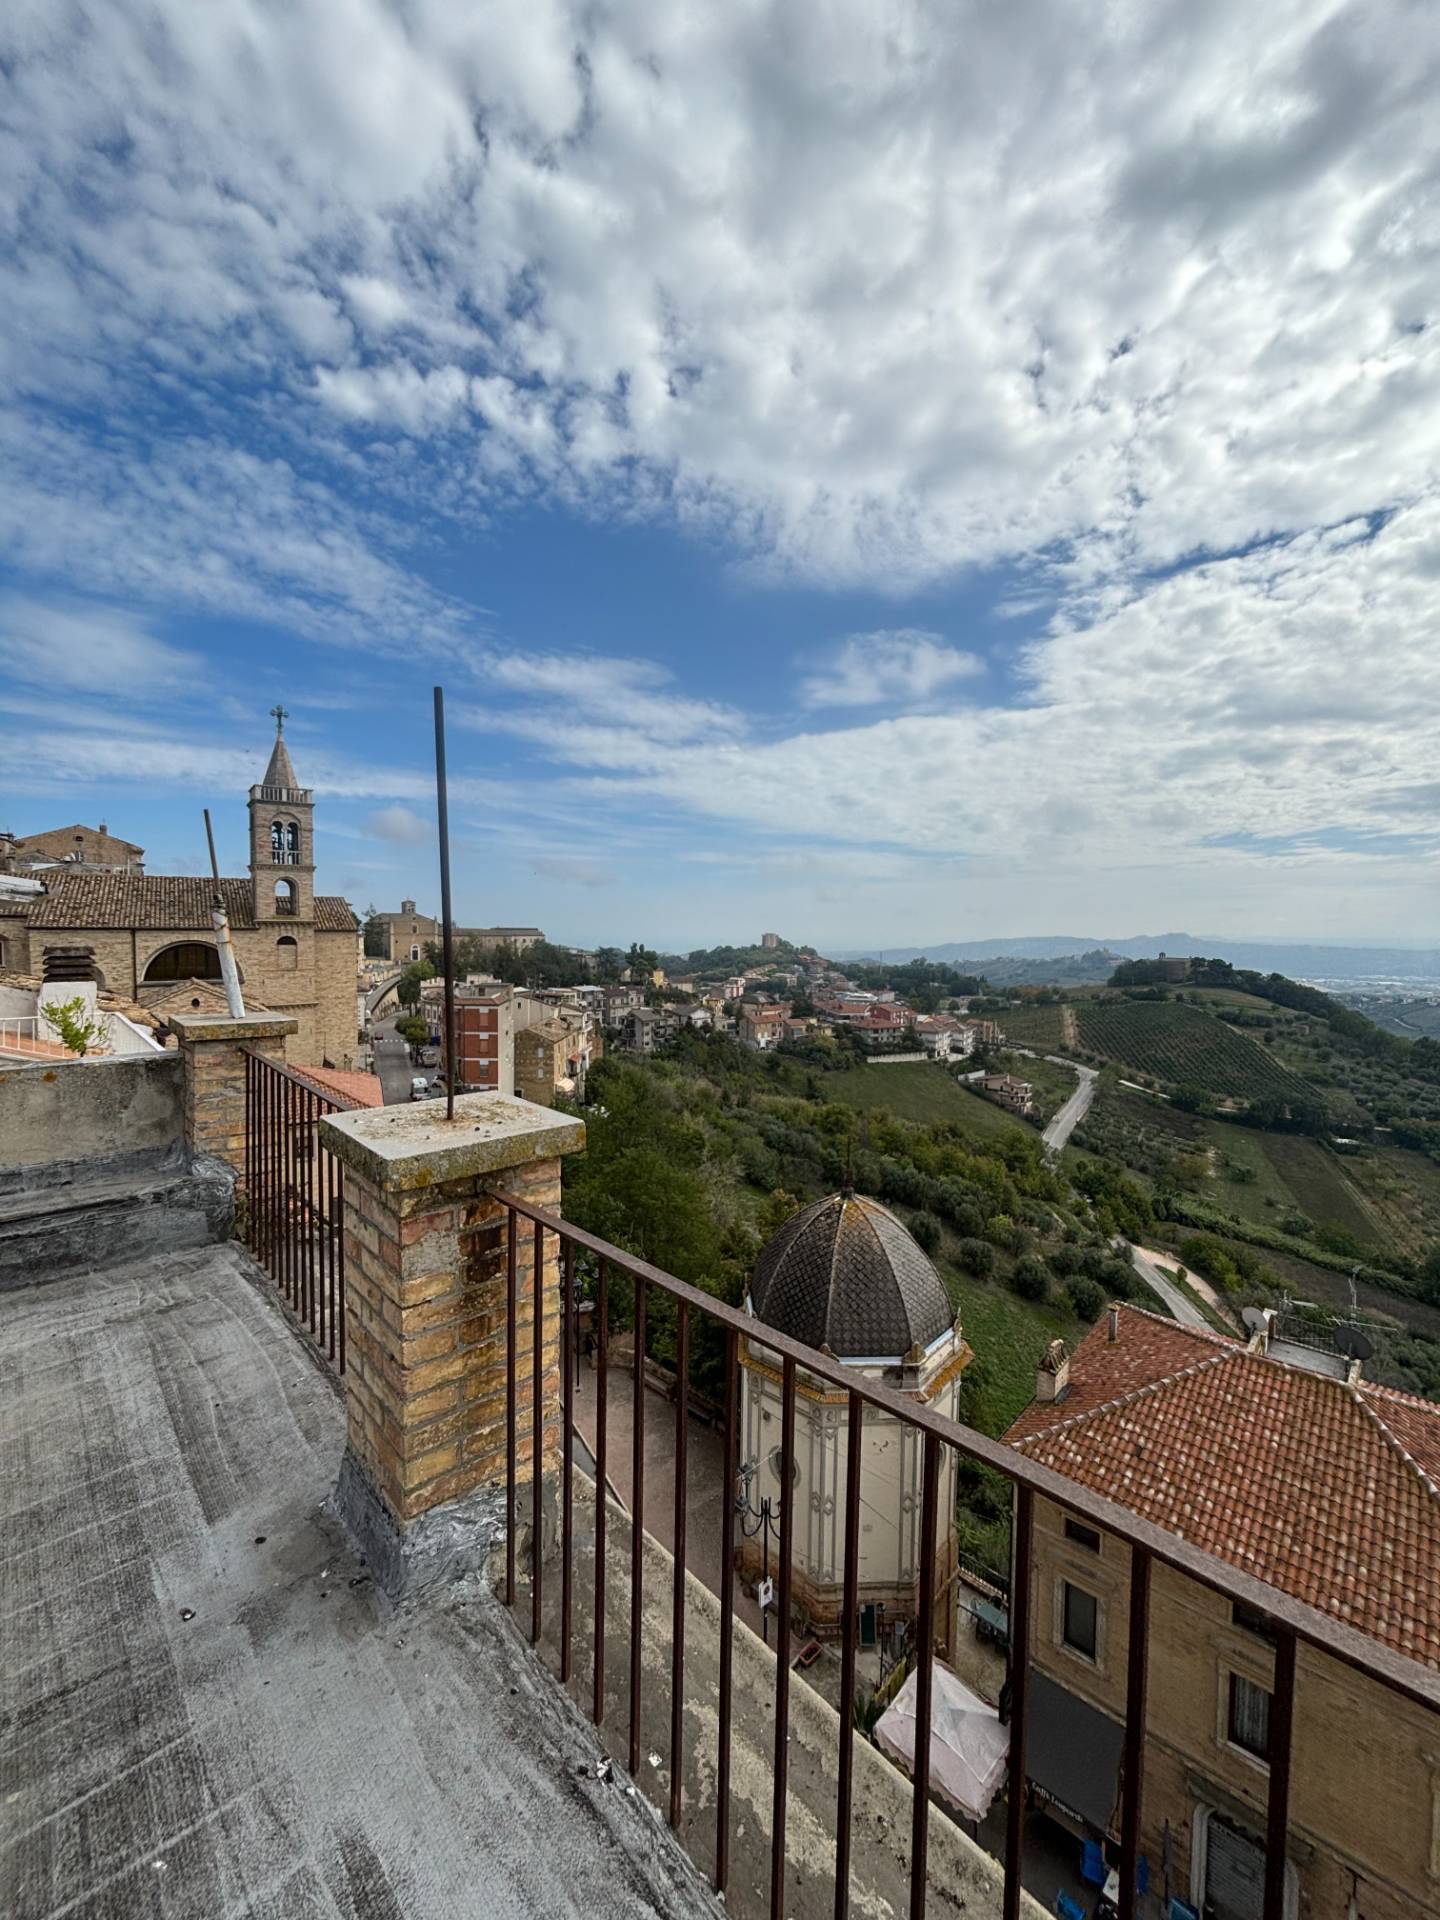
column 1298, row 959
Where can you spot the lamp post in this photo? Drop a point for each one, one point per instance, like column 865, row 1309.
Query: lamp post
column 759, row 1520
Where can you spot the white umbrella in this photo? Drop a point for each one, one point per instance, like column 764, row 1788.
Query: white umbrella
column 968, row 1745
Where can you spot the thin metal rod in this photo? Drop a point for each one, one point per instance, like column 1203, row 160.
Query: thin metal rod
column 727, row 1608
column 447, row 928
column 854, row 1441
column 602, row 1485
column 1019, row 1680
column 1277, row 1812
column 340, row 1248
column 510, row 1409
column 924, row 1682
column 637, row 1526
column 1136, row 1682
column 537, row 1436
column 782, row 1640
column 677, row 1617
column 569, row 1343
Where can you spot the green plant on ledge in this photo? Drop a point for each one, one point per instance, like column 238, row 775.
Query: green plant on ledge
column 75, row 1026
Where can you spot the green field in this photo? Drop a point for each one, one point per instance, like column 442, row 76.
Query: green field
column 918, row 1090
column 1009, row 1336
column 1032, row 1026
column 1177, row 1043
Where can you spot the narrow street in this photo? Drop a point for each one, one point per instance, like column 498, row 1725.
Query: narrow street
column 392, row 1062
column 1075, row 1108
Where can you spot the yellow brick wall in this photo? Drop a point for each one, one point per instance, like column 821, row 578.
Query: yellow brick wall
column 1365, row 1780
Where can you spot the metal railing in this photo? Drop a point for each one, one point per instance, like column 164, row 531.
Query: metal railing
column 1290, row 1621
column 33, row 1038
column 293, row 1217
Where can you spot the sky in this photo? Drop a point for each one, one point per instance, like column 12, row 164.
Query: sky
column 886, row 473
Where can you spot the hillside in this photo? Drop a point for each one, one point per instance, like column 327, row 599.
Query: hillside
column 1185, row 1046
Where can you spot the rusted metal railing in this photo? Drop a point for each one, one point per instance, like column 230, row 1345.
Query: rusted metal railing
column 294, row 1201
column 1290, row 1622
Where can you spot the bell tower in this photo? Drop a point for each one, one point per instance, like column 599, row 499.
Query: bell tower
column 282, row 840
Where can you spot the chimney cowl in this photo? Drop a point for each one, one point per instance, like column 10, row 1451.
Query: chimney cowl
column 1052, row 1376
column 1113, row 1324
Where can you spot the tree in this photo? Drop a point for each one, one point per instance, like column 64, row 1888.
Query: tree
column 609, row 963
column 1429, row 1285
column 77, row 1025
column 1085, row 1297
column 641, row 960
column 413, row 1030
column 407, row 990
column 925, row 1231
column 1031, row 1278
column 376, row 934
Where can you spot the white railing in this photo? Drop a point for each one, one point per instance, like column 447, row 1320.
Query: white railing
column 33, row 1037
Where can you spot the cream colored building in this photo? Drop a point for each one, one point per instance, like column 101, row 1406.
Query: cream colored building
column 141, row 934
column 1319, row 1484
column 844, row 1276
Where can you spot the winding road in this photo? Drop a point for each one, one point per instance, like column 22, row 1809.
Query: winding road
column 1075, row 1108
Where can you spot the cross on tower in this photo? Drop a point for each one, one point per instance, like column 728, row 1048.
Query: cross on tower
column 280, row 716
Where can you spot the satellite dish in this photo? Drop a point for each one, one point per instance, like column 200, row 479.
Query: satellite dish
column 1254, row 1318
column 1353, row 1343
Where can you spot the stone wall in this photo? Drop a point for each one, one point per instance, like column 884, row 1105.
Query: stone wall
column 102, row 1109
column 213, row 1053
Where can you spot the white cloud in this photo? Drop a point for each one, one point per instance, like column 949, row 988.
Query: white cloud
column 401, row 825
column 896, row 666
column 76, row 648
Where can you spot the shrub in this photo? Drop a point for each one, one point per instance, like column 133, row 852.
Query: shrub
column 925, row 1230
column 1031, row 1278
column 977, row 1257
column 1086, row 1297
column 1065, row 1261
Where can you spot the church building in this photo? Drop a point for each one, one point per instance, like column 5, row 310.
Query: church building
column 150, row 936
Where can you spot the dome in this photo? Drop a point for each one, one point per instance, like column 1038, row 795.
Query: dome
column 844, row 1274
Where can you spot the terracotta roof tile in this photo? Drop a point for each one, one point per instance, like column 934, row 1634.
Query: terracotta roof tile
column 1323, row 1489
column 350, row 1089
column 162, row 903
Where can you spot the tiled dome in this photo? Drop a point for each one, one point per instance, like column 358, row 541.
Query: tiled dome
column 844, row 1274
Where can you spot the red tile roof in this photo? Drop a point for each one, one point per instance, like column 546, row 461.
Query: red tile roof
column 350, row 1089
column 162, row 903
column 1327, row 1490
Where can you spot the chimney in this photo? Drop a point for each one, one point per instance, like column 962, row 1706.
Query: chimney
column 102, row 828
column 1113, row 1325
column 1052, row 1376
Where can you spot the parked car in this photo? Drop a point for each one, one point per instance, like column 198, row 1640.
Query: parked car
column 419, row 1087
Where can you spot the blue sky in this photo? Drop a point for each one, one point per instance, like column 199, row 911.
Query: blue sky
column 887, row 473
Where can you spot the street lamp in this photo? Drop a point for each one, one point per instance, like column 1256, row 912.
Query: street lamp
column 759, row 1520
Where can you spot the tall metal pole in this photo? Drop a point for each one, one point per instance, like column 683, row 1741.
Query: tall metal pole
column 229, row 972
column 447, row 928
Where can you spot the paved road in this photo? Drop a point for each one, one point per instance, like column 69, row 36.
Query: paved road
column 1075, row 1108
column 392, row 1062
column 1183, row 1308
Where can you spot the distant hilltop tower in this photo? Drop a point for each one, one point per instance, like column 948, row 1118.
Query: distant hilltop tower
column 770, row 940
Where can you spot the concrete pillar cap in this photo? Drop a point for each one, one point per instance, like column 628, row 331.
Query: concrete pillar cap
column 405, row 1149
column 189, row 1028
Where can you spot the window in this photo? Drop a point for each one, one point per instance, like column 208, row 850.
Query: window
column 1083, row 1536
column 1249, row 1719
column 287, row 953
column 284, row 843
column 285, row 896
column 1080, row 1627
column 1252, row 1620
column 190, row 960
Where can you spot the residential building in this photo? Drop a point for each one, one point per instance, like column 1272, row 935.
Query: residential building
column 1317, row 1483
column 138, row 934
column 89, row 849
column 986, row 1032
column 937, row 1034
column 1016, row 1096
column 762, row 1027
column 647, row 1029
column 516, row 939
column 845, row 1277
column 484, row 1040
column 620, row 999
column 407, row 933
column 542, row 1062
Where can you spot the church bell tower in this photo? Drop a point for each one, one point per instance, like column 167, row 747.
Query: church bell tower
column 282, row 841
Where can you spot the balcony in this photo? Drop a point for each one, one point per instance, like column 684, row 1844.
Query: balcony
column 488, row 1669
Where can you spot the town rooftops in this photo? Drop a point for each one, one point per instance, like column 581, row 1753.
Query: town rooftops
column 163, row 903
column 350, row 1089
column 1325, row 1488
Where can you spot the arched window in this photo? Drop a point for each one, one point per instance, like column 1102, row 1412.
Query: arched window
column 287, row 953
column 189, row 960
column 292, row 841
column 285, row 896
column 284, row 843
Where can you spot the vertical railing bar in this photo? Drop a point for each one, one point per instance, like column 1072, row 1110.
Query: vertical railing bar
column 637, row 1524
column 291, row 1249
column 782, row 1640
column 283, row 1138
column 602, row 1497
column 339, row 1306
column 924, row 1681
column 1277, row 1810
column 311, row 1146
column 727, row 1608
column 569, row 1356
column 325, row 1255
column 1136, row 1681
column 537, row 1435
column 249, row 1137
column 266, row 1148
column 510, row 1409
column 854, row 1441
column 1018, row 1677
column 677, row 1625
column 272, row 1243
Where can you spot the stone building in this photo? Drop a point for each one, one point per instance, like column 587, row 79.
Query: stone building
column 406, row 934
column 94, row 849
column 845, row 1276
column 142, row 934
column 1319, row 1484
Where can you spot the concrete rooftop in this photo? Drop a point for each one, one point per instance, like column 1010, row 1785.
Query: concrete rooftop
column 207, row 1711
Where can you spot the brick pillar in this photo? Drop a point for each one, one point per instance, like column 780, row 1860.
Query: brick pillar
column 213, row 1049
column 422, row 1484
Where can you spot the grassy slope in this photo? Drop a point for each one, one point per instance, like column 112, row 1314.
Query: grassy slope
column 1179, row 1043
column 918, row 1090
column 1009, row 1336
column 1032, row 1026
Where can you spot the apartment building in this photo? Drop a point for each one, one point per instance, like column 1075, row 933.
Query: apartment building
column 484, row 1040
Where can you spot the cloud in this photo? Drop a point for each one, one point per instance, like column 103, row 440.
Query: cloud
column 899, row 666
column 89, row 649
column 574, row 873
column 400, row 825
